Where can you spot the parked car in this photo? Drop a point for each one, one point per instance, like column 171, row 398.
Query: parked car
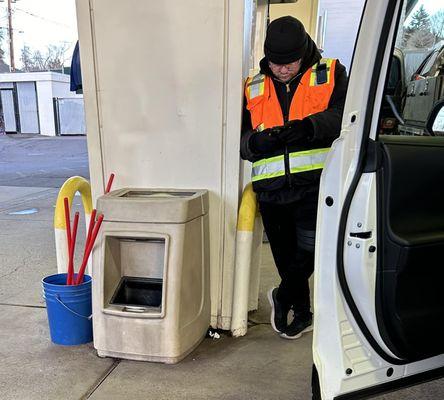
column 408, row 101
column 425, row 89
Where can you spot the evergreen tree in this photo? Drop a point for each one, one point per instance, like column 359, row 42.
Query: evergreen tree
column 420, row 20
column 418, row 33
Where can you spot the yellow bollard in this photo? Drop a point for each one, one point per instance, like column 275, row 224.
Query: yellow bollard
column 244, row 245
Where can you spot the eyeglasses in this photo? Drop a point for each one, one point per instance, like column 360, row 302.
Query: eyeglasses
column 289, row 66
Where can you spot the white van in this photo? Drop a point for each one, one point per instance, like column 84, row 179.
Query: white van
column 379, row 275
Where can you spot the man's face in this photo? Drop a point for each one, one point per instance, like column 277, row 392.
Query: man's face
column 285, row 72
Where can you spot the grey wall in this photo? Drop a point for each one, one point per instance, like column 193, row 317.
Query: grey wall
column 7, row 99
column 27, row 105
column 71, row 116
column 343, row 18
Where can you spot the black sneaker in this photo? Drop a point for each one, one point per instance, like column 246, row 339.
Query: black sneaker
column 297, row 328
column 279, row 312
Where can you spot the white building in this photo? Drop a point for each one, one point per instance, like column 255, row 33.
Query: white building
column 40, row 103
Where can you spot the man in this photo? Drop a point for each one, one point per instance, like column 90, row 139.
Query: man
column 293, row 113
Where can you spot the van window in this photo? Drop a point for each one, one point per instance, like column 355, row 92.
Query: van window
column 420, row 40
column 425, row 70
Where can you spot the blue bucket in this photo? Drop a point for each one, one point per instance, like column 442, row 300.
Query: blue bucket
column 69, row 310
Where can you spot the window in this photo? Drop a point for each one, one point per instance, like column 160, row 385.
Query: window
column 407, row 105
column 425, row 70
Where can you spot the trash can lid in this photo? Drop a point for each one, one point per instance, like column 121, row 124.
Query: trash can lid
column 169, row 206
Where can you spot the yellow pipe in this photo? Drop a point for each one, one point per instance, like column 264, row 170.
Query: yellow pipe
column 247, row 210
column 69, row 189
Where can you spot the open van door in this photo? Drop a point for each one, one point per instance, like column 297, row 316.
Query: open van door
column 379, row 274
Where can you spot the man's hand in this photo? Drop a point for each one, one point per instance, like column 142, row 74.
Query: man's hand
column 296, row 132
column 265, row 142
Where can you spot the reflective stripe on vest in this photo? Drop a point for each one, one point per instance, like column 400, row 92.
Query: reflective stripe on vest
column 300, row 161
column 268, row 168
column 308, row 160
column 256, row 86
column 314, row 75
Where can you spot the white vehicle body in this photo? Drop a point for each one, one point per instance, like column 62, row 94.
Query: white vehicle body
column 351, row 356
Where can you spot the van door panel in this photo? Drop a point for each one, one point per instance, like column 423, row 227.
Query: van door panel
column 410, row 292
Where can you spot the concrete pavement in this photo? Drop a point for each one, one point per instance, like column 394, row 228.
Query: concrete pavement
column 260, row 366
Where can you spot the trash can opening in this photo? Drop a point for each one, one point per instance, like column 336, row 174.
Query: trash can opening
column 134, row 273
column 152, row 193
column 135, row 291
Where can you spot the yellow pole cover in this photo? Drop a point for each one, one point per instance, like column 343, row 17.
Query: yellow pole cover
column 69, row 189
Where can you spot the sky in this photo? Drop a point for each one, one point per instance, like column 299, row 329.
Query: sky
column 39, row 23
column 431, row 6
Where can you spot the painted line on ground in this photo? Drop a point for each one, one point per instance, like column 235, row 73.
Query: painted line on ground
column 29, row 211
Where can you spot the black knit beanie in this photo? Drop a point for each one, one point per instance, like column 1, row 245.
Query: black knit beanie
column 286, row 40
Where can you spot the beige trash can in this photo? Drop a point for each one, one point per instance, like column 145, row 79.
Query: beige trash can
column 151, row 298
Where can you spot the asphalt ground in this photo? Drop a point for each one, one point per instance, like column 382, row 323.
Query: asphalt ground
column 41, row 161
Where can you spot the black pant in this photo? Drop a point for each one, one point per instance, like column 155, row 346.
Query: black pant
column 291, row 231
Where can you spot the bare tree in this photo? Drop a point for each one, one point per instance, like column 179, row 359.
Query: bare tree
column 26, row 58
column 2, row 52
column 3, row 66
column 39, row 61
column 35, row 60
column 421, row 39
column 56, row 56
column 437, row 25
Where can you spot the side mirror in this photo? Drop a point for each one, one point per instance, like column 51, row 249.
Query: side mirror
column 435, row 122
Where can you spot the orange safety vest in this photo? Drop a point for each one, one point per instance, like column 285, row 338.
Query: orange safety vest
column 309, row 98
column 312, row 96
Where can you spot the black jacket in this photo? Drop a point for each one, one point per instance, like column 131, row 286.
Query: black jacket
column 322, row 129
